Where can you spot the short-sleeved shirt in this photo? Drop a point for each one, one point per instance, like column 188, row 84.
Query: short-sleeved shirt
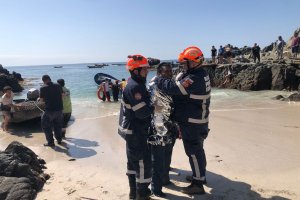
column 52, row 95
column 123, row 84
column 7, row 100
column 67, row 105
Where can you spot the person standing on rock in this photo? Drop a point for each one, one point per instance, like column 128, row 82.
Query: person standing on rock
column 220, row 55
column 295, row 45
column 280, row 43
column 52, row 118
column 256, row 52
column 135, row 119
column 228, row 54
column 213, row 54
column 191, row 112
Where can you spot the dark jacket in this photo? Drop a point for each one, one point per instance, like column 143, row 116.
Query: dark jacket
column 136, row 110
column 191, row 96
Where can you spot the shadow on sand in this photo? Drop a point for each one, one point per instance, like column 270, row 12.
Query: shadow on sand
column 26, row 129
column 73, row 147
column 77, row 148
column 222, row 188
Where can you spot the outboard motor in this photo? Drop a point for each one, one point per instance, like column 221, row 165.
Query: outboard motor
column 33, row 94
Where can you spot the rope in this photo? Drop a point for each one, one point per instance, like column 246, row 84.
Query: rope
column 38, row 106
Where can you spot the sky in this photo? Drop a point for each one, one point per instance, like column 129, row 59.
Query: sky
column 37, row 32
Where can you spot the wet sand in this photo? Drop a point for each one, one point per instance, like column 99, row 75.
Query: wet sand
column 252, row 153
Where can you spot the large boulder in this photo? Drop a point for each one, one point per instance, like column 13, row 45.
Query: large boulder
column 20, row 168
column 11, row 80
column 294, row 97
column 12, row 188
column 251, row 76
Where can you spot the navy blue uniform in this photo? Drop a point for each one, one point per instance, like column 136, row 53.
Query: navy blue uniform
column 191, row 100
column 134, row 122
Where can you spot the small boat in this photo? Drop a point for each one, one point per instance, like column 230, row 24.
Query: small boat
column 27, row 110
column 97, row 65
column 101, row 77
column 119, row 64
column 58, row 66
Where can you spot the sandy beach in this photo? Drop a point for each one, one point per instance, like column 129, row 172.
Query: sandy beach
column 252, row 153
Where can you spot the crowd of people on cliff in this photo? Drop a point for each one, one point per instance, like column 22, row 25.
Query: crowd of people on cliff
column 225, row 54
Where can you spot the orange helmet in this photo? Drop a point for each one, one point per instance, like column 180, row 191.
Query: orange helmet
column 191, row 53
column 136, row 61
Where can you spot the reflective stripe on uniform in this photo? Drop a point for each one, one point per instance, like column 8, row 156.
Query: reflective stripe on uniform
column 130, row 172
column 198, row 121
column 142, row 179
column 124, row 130
column 199, row 97
column 196, row 166
column 138, row 106
column 181, row 88
column 199, row 179
column 204, row 98
column 139, row 180
column 203, row 109
column 128, row 106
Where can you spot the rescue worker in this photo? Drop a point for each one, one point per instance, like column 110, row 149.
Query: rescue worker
column 135, row 119
column 163, row 132
column 192, row 92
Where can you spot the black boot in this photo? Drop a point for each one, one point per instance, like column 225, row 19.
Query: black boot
column 190, row 179
column 145, row 195
column 196, row 187
column 132, row 186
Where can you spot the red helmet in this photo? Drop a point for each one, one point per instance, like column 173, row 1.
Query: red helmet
column 136, row 61
column 191, row 53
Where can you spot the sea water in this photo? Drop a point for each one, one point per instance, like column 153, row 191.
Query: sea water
column 80, row 80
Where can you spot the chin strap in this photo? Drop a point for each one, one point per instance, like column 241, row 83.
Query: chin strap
column 138, row 77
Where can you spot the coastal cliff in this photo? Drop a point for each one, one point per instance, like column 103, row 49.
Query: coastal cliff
column 255, row 76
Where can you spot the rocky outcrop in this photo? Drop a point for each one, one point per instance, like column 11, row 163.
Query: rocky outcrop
column 251, row 76
column 11, row 80
column 293, row 97
column 21, row 173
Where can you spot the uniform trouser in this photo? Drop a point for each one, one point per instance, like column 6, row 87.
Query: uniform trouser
column 139, row 162
column 193, row 137
column 52, row 120
column 158, row 167
column 168, row 160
